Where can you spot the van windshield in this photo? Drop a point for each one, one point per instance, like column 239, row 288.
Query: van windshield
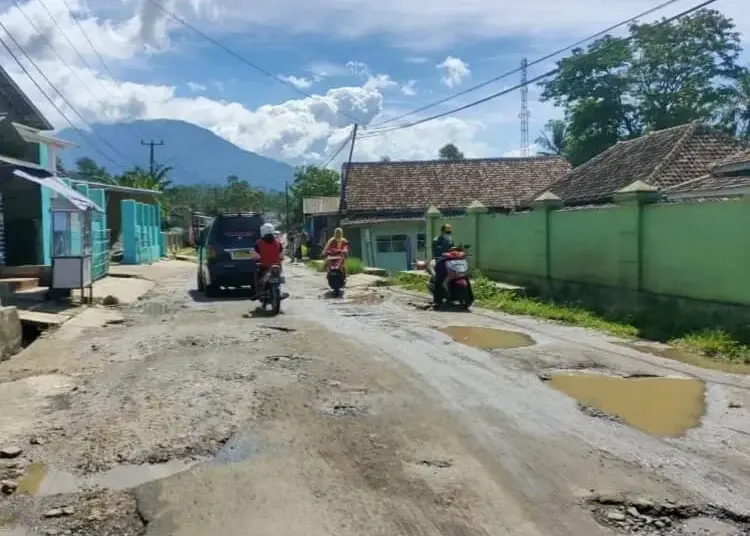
column 238, row 231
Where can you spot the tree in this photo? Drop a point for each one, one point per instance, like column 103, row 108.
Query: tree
column 141, row 178
column 553, row 138
column 661, row 76
column 450, row 152
column 312, row 181
column 88, row 170
column 385, row 158
column 737, row 115
column 239, row 196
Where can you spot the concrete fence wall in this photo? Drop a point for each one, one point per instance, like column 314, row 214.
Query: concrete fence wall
column 637, row 247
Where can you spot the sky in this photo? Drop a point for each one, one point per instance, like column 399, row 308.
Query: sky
column 323, row 64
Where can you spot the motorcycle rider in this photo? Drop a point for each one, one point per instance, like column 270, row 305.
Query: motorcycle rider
column 270, row 252
column 441, row 244
column 337, row 243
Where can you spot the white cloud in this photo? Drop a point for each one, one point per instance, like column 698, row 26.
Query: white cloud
column 410, row 88
column 196, row 88
column 454, row 70
column 422, row 26
column 298, row 82
column 416, row 60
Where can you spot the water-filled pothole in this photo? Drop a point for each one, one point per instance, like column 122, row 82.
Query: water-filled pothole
column 659, row 406
column 488, row 338
column 43, row 480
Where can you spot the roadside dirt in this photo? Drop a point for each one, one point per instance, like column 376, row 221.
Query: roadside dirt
column 339, row 417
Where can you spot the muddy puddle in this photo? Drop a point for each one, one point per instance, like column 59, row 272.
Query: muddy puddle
column 683, row 356
column 42, row 480
column 488, row 338
column 659, row 406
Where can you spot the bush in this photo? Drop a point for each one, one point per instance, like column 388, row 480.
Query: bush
column 353, row 265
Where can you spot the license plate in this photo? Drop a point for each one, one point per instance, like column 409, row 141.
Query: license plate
column 242, row 255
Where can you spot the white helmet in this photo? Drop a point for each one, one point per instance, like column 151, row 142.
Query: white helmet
column 266, row 229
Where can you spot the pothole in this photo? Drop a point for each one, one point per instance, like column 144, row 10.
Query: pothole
column 43, row 480
column 369, row 298
column 668, row 518
column 488, row 338
column 345, row 409
column 656, row 405
column 285, row 361
column 154, row 308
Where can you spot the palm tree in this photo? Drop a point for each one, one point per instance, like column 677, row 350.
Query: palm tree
column 741, row 106
column 140, row 178
column 553, row 138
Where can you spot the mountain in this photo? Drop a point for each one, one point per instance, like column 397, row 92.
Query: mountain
column 196, row 154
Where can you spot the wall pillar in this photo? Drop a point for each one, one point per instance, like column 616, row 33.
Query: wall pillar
column 473, row 212
column 129, row 229
column 543, row 206
column 432, row 224
column 633, row 199
column 44, row 245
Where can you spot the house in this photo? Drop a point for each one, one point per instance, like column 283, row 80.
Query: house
column 663, row 159
column 28, row 159
column 321, row 217
column 726, row 178
column 384, row 203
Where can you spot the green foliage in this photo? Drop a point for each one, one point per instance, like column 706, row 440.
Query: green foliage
column 450, row 152
column 662, row 76
column 312, row 181
column 553, row 138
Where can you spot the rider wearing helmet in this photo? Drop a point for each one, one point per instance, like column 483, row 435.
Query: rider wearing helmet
column 270, row 252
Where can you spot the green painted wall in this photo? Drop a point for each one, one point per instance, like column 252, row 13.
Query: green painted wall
column 689, row 250
column 698, row 250
column 585, row 244
column 512, row 243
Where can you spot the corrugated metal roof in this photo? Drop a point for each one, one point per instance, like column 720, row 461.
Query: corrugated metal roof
column 320, row 205
column 18, row 105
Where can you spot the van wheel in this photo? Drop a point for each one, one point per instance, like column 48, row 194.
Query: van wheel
column 209, row 291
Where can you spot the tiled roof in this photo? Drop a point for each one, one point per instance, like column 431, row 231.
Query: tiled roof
column 742, row 157
column 370, row 219
column 320, row 205
column 449, row 185
column 663, row 159
column 712, row 183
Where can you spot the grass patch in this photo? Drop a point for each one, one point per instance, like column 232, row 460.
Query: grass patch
column 715, row 344
column 353, row 265
column 189, row 251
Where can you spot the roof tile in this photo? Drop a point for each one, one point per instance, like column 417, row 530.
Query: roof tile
column 663, row 158
column 449, row 185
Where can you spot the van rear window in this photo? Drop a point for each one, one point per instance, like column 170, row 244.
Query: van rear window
column 238, row 231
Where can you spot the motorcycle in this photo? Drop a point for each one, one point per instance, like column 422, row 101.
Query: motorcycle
column 270, row 293
column 335, row 273
column 457, row 285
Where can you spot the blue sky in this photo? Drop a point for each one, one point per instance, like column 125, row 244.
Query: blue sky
column 371, row 60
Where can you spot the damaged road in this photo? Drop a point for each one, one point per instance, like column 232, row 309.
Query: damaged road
column 357, row 416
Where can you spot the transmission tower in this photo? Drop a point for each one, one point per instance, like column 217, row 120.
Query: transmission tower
column 524, row 115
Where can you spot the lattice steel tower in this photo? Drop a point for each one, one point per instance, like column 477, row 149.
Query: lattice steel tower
column 524, row 114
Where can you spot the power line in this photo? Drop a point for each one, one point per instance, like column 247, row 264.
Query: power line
column 547, row 74
column 62, row 59
column 338, row 151
column 151, row 144
column 62, row 97
column 99, row 56
column 236, row 55
column 46, row 96
column 530, row 64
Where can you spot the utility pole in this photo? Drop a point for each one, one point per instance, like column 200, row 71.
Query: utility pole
column 151, row 144
column 342, row 204
column 286, row 204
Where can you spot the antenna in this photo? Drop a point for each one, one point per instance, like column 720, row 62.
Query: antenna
column 524, row 114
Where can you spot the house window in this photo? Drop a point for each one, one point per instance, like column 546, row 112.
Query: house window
column 391, row 244
column 421, row 239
